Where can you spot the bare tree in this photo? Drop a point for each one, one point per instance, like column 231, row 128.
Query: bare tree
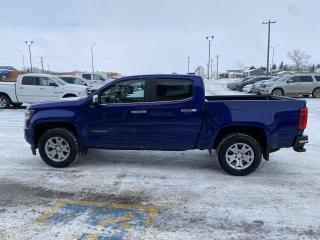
column 299, row 58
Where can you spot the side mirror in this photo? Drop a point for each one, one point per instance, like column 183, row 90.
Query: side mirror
column 53, row 85
column 95, row 100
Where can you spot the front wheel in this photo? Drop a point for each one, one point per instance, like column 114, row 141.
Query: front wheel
column 58, row 147
column 4, row 102
column 277, row 92
column 239, row 154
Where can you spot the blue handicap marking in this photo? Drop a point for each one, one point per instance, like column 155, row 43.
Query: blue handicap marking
column 116, row 219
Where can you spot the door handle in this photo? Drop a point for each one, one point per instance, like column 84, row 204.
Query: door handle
column 42, row 88
column 191, row 110
column 21, row 87
column 139, row 111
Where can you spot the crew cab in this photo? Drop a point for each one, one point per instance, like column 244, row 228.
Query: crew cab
column 168, row 113
column 34, row 88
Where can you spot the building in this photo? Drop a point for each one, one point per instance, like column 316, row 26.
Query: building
column 253, row 72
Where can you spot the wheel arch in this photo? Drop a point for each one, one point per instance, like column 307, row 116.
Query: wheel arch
column 6, row 95
column 41, row 128
column 255, row 132
column 69, row 95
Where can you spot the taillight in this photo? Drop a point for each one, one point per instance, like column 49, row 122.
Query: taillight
column 303, row 118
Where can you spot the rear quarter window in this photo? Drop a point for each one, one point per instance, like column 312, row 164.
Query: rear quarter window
column 317, row 78
column 173, row 89
column 28, row 80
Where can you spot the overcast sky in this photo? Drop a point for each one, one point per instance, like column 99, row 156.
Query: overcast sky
column 155, row 36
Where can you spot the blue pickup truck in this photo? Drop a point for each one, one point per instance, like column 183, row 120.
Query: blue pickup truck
column 169, row 113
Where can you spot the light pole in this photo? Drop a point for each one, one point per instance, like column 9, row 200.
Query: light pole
column 273, row 48
column 269, row 30
column 209, row 39
column 218, row 56
column 92, row 67
column 29, row 43
column 22, row 56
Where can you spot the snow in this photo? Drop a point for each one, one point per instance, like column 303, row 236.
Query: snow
column 193, row 197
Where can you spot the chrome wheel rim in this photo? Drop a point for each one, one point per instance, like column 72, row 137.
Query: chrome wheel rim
column 317, row 93
column 3, row 102
column 57, row 149
column 277, row 93
column 240, row 156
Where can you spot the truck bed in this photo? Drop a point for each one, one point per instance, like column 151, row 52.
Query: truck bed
column 245, row 98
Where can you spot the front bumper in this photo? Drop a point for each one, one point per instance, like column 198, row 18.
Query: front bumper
column 299, row 143
column 265, row 91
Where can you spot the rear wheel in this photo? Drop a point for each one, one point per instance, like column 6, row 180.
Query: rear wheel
column 316, row 93
column 5, row 102
column 58, row 147
column 239, row 154
column 277, row 92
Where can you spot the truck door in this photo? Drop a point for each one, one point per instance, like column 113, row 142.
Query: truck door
column 28, row 89
column 48, row 90
column 120, row 120
column 175, row 113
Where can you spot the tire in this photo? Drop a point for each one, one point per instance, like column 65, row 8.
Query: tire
column 16, row 105
column 58, row 140
column 5, row 102
column 277, row 92
column 316, row 93
column 246, row 147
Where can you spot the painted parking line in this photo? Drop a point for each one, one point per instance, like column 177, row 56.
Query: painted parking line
column 109, row 221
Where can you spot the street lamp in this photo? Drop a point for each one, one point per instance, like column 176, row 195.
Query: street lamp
column 273, row 49
column 209, row 39
column 92, row 68
column 22, row 56
column 29, row 43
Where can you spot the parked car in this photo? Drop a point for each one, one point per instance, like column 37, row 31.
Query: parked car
column 96, row 78
column 233, row 85
column 256, row 86
column 241, row 86
column 34, row 88
column 293, row 85
column 81, row 81
column 169, row 113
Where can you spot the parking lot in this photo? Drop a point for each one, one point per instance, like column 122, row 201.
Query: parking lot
column 157, row 195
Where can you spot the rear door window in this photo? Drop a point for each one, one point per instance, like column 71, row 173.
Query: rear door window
column 300, row 79
column 29, row 80
column 306, row 79
column 86, row 76
column 173, row 89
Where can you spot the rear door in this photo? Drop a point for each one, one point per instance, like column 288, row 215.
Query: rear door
column 175, row 114
column 28, row 89
column 299, row 85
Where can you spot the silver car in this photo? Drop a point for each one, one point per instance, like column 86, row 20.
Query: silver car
column 293, row 85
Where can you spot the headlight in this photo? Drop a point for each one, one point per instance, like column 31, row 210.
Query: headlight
column 28, row 114
column 269, row 85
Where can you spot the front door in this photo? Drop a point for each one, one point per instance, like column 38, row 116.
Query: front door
column 49, row 90
column 120, row 120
